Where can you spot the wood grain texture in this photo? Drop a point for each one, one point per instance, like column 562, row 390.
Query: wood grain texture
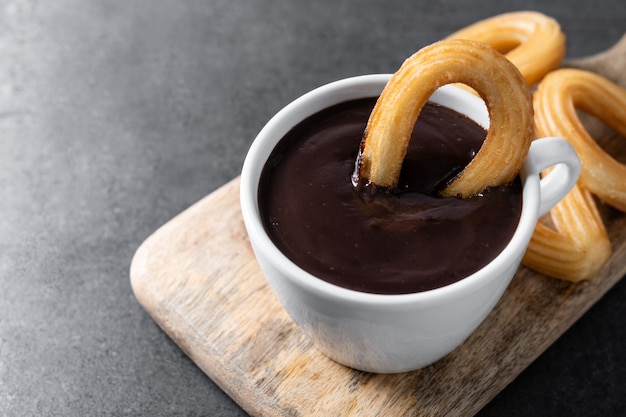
column 198, row 278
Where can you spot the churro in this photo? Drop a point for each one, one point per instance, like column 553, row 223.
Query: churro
column 532, row 41
column 477, row 65
column 556, row 100
column 579, row 245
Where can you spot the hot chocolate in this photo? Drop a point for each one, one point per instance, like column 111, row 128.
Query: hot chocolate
column 389, row 241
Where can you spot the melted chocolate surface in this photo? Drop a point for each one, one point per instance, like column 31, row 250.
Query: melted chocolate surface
column 388, row 242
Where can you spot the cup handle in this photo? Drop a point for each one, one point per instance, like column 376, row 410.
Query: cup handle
column 558, row 153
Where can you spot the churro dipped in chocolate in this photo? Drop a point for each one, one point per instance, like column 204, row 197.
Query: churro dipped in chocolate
column 473, row 63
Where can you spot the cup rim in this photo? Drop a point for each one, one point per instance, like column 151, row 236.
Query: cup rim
column 301, row 108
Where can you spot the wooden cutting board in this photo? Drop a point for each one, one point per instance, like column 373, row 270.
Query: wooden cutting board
column 198, row 278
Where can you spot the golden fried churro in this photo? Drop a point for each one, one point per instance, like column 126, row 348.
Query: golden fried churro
column 579, row 244
column 473, row 63
column 556, row 100
column 532, row 41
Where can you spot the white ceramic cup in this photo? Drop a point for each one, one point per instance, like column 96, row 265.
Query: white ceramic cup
column 396, row 333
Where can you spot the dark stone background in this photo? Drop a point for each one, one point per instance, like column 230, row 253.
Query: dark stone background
column 117, row 115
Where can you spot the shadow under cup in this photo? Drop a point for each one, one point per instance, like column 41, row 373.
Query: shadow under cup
column 395, row 333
